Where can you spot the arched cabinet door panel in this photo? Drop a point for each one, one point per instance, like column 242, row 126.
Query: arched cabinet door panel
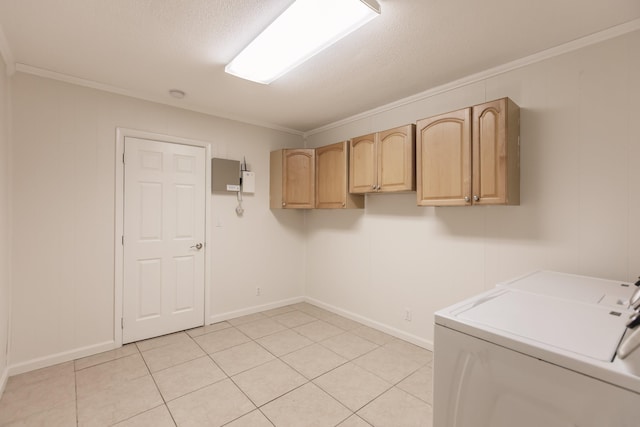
column 470, row 156
column 444, row 159
column 383, row 162
column 332, row 179
column 292, row 179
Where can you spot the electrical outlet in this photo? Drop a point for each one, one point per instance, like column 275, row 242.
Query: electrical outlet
column 407, row 314
column 258, row 292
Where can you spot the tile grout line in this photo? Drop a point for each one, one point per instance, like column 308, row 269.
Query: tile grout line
column 307, row 381
column 75, row 386
column 401, row 351
column 164, row 401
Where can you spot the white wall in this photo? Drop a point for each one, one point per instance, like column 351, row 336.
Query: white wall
column 580, row 210
column 5, row 253
column 63, row 148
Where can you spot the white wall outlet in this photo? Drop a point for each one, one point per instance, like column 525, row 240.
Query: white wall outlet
column 258, row 292
column 407, row 314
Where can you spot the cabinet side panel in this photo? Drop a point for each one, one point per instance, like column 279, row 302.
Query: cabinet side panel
column 352, row 200
column 513, row 153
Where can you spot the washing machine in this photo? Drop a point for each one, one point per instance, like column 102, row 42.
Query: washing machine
column 546, row 349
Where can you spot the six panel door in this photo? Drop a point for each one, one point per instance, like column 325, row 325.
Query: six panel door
column 164, row 229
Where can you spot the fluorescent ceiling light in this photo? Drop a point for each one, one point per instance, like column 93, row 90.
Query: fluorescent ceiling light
column 304, row 29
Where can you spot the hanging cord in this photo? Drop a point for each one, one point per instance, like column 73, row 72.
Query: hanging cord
column 239, row 208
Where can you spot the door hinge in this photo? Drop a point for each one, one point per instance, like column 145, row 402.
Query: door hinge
column 122, row 323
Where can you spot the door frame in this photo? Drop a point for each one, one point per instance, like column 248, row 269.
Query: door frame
column 121, row 134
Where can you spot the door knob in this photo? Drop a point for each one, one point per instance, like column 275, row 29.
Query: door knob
column 198, row 246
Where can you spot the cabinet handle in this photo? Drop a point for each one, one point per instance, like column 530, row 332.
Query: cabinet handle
column 476, row 198
column 467, row 199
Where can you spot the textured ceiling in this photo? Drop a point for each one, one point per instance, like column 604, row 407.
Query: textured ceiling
column 146, row 47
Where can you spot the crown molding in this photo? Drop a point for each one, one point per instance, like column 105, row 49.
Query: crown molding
column 571, row 46
column 41, row 72
column 609, row 33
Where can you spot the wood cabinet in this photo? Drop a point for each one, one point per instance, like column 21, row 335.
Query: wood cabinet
column 292, row 179
column 496, row 153
column 470, row 156
column 383, row 161
column 443, row 159
column 332, row 188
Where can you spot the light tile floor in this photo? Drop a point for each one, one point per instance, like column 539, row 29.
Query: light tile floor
column 294, row 366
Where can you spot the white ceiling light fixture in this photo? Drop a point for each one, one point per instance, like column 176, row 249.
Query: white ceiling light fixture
column 304, row 29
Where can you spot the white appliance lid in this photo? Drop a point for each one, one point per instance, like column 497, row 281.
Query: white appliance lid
column 589, row 330
column 573, row 287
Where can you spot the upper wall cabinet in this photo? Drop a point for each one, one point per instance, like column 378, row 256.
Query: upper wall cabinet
column 470, row 156
column 383, row 161
column 332, row 178
column 292, row 179
column 496, row 153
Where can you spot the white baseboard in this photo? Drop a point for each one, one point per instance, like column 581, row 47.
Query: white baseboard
column 54, row 359
column 65, row 356
column 215, row 318
column 414, row 339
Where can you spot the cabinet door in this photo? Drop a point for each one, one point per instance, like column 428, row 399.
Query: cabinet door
column 496, row 172
column 331, row 176
column 443, row 151
column 298, row 179
column 362, row 164
column 396, row 159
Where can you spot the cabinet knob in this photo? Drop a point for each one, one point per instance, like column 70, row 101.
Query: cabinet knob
column 344, row 205
column 466, row 199
column 476, row 198
column 373, row 187
column 284, row 203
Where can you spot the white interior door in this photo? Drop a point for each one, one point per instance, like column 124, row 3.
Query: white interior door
column 164, row 230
